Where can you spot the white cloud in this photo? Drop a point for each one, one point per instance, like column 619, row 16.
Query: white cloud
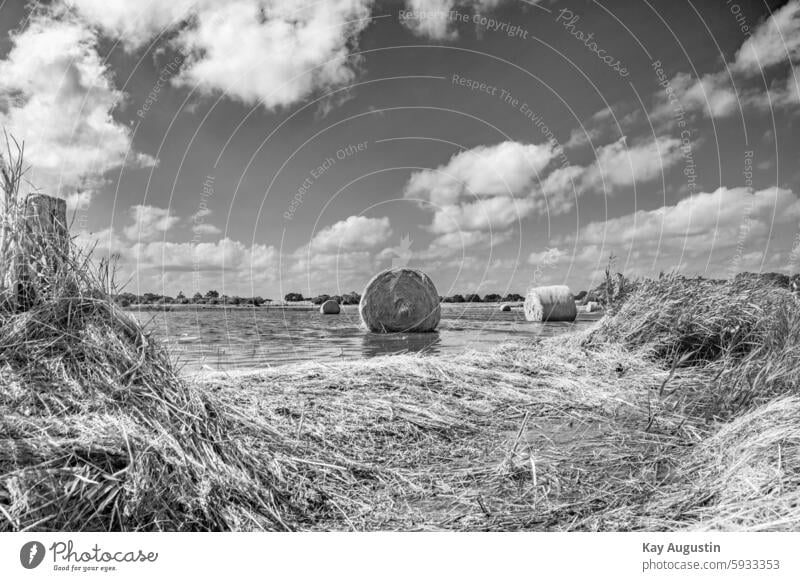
column 430, row 18
column 354, row 233
column 486, row 215
column 697, row 221
column 221, row 256
column 157, row 266
column 435, row 19
column 134, row 23
column 777, row 40
column 616, row 165
column 275, row 53
column 256, row 51
column 508, row 168
column 773, row 42
column 547, row 258
column 149, row 222
column 57, row 96
column 203, row 229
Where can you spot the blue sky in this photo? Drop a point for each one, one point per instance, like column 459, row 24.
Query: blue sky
column 262, row 147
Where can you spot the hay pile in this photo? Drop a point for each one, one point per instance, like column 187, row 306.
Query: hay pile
column 97, row 431
column 329, row 307
column 550, row 303
column 401, row 300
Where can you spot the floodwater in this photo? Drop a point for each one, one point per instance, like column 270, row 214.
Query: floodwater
column 220, row 339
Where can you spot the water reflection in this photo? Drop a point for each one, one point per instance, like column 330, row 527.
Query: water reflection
column 220, row 339
column 374, row 344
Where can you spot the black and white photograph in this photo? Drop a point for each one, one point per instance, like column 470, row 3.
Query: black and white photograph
column 383, row 266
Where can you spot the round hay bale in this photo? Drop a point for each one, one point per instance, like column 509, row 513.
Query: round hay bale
column 400, row 300
column 505, row 308
column 550, row 303
column 329, row 307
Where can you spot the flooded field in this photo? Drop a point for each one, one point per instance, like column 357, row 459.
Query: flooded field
column 242, row 338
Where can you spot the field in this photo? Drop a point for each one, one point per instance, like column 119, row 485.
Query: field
column 679, row 410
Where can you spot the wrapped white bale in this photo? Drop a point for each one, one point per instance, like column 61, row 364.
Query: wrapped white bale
column 550, row 303
column 505, row 308
column 329, row 307
column 400, row 300
column 592, row 307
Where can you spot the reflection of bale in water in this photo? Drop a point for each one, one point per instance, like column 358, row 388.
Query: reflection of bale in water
column 377, row 344
column 329, row 307
column 550, row 303
column 505, row 308
column 400, row 300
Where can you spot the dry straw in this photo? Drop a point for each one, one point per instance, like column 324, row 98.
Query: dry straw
column 401, row 300
column 97, row 430
column 550, row 303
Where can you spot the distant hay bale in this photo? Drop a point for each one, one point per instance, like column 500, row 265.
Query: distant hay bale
column 505, row 308
column 550, row 303
column 592, row 307
column 329, row 307
column 400, row 300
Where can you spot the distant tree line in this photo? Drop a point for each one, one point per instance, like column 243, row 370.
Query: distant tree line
column 212, row 297
column 353, row 298
column 489, row 298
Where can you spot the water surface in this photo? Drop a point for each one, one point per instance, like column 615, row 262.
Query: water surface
column 250, row 338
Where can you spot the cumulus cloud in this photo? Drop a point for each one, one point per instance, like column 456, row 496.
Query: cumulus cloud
column 354, row 233
column 225, row 255
column 479, row 195
column 188, row 266
column 745, row 230
column 435, row 19
column 777, row 40
column 547, row 257
column 699, row 220
column 486, row 215
column 149, row 222
column 57, row 95
column 429, row 18
column 256, row 51
column 508, row 168
column 616, row 165
column 274, row 53
column 723, row 93
column 134, row 23
column 204, row 229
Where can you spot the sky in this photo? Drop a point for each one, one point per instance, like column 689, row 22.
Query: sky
column 260, row 147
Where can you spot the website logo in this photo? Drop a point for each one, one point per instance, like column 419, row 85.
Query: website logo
column 31, row 554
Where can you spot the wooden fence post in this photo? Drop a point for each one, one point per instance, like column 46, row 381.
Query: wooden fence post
column 47, row 246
